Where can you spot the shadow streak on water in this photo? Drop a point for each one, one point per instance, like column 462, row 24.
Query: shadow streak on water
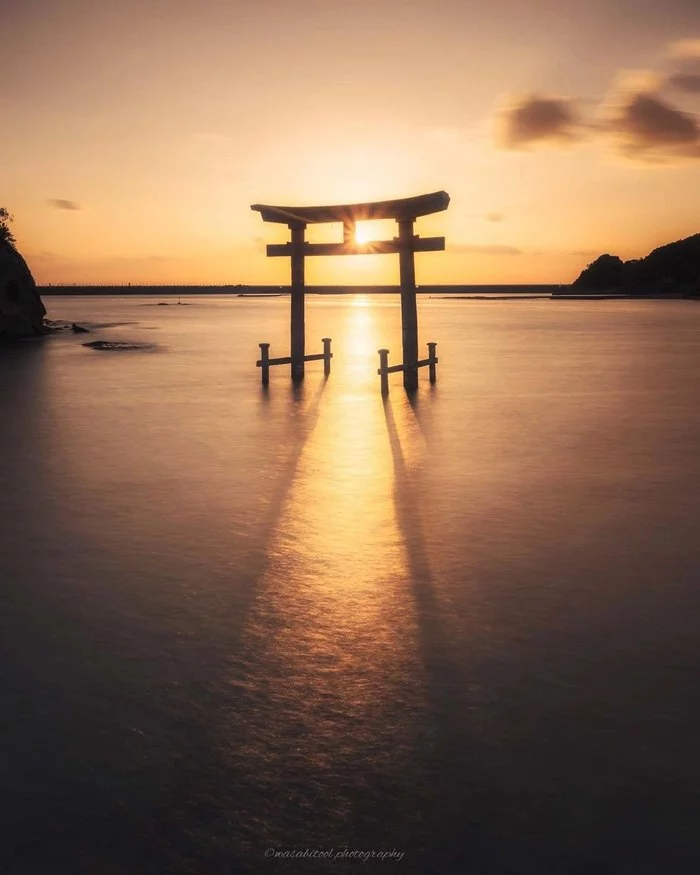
column 464, row 814
column 414, row 400
column 405, row 502
column 208, row 804
column 443, row 742
column 287, row 472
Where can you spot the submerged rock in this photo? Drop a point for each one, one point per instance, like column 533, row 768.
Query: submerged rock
column 54, row 325
column 118, row 345
column 21, row 309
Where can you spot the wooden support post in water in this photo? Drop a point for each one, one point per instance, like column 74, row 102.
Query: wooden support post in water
column 297, row 334
column 383, row 375
column 432, row 359
column 409, row 314
column 326, row 355
column 265, row 362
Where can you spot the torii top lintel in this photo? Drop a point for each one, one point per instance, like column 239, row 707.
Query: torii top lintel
column 401, row 209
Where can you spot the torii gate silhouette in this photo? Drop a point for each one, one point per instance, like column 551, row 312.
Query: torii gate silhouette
column 405, row 211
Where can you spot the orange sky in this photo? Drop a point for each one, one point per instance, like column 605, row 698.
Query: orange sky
column 137, row 134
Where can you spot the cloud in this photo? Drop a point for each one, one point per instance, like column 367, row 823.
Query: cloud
column 494, row 217
column 59, row 203
column 635, row 82
column 637, row 115
column 646, row 126
column 104, row 261
column 684, row 48
column 138, row 259
column 642, row 123
column 684, row 75
column 484, row 249
column 45, row 255
column 537, row 119
column 686, row 82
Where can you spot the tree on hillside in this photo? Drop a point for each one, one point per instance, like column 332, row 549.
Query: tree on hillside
column 5, row 232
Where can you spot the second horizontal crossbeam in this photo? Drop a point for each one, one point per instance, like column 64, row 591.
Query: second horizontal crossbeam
column 393, row 369
column 287, row 359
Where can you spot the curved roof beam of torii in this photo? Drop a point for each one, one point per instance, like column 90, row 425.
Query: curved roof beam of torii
column 401, row 209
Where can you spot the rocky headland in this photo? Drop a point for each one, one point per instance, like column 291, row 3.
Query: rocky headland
column 21, row 308
column 669, row 271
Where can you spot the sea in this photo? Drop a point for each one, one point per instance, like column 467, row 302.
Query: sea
column 311, row 629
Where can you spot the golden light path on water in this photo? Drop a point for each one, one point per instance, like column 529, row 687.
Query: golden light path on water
column 333, row 627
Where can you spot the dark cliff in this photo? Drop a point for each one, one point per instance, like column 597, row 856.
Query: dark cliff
column 21, row 308
column 673, row 269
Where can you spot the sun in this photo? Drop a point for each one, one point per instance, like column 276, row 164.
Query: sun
column 363, row 234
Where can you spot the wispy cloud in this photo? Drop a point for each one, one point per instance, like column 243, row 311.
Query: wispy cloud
column 689, row 83
column 583, row 253
column 59, row 203
column 538, row 119
column 643, row 123
column 646, row 126
column 484, row 249
column 684, row 48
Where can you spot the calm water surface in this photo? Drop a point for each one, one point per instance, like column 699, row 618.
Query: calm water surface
column 462, row 626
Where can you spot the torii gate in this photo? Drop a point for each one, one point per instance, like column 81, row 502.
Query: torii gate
column 405, row 211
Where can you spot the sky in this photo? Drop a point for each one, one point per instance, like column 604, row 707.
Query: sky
column 136, row 135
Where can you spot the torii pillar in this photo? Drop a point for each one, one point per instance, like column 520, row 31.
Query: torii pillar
column 409, row 310
column 298, row 328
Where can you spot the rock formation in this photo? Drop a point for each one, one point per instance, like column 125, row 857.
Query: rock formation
column 606, row 272
column 21, row 309
column 673, row 269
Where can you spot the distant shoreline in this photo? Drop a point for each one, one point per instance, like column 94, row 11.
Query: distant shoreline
column 447, row 292
column 253, row 291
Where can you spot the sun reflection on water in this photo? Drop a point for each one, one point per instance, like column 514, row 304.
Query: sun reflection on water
column 333, row 620
column 337, row 548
